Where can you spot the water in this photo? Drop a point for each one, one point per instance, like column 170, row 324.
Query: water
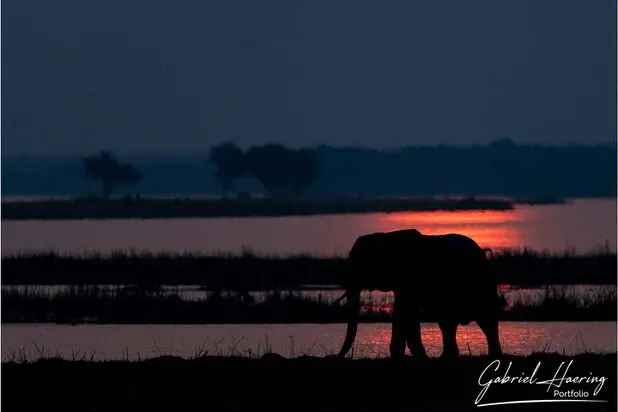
column 582, row 224
column 374, row 299
column 145, row 341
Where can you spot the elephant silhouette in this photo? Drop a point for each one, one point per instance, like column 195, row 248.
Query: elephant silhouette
column 446, row 276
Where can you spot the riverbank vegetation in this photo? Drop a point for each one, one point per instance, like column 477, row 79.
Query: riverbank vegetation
column 302, row 383
column 123, row 305
column 249, row 271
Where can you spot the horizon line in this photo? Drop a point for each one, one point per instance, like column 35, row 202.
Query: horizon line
column 201, row 151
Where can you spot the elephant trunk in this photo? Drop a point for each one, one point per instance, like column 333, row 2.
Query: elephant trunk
column 353, row 307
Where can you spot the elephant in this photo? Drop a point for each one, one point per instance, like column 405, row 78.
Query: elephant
column 447, row 276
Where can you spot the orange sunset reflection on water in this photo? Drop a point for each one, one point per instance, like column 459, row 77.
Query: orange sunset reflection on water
column 582, row 224
column 469, row 336
column 496, row 229
column 309, row 339
column 515, row 337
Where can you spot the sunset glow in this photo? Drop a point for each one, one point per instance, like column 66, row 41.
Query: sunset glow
column 469, row 338
column 495, row 229
column 460, row 217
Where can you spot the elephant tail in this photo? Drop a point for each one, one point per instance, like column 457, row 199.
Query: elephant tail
column 491, row 252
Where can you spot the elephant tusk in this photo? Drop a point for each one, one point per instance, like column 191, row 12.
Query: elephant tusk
column 345, row 295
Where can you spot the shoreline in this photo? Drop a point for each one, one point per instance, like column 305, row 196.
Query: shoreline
column 275, row 322
column 149, row 208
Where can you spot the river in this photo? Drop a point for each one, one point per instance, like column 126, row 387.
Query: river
column 581, row 225
column 30, row 341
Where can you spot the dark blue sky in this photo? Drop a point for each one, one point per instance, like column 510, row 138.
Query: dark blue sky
column 178, row 76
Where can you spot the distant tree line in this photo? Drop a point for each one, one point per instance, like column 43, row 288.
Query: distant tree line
column 281, row 171
column 105, row 168
column 499, row 168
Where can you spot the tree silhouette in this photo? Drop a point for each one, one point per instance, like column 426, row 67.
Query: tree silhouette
column 230, row 162
column 106, row 168
column 267, row 164
column 281, row 170
column 303, row 170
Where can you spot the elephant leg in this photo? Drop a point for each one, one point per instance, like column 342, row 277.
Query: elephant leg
column 489, row 326
column 413, row 336
column 449, row 339
column 398, row 340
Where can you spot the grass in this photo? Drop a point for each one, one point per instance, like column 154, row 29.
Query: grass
column 126, row 305
column 513, row 266
column 566, row 303
column 303, row 383
column 132, row 208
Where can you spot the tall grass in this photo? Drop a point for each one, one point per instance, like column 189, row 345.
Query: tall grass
column 248, row 270
column 565, row 302
column 116, row 304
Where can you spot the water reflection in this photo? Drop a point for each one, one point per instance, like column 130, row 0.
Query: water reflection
column 376, row 301
column 496, row 229
column 469, row 338
column 583, row 224
column 141, row 341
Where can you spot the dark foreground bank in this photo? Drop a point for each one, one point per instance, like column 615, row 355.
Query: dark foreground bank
column 312, row 384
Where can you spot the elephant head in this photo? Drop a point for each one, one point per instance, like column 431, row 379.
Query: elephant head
column 368, row 268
